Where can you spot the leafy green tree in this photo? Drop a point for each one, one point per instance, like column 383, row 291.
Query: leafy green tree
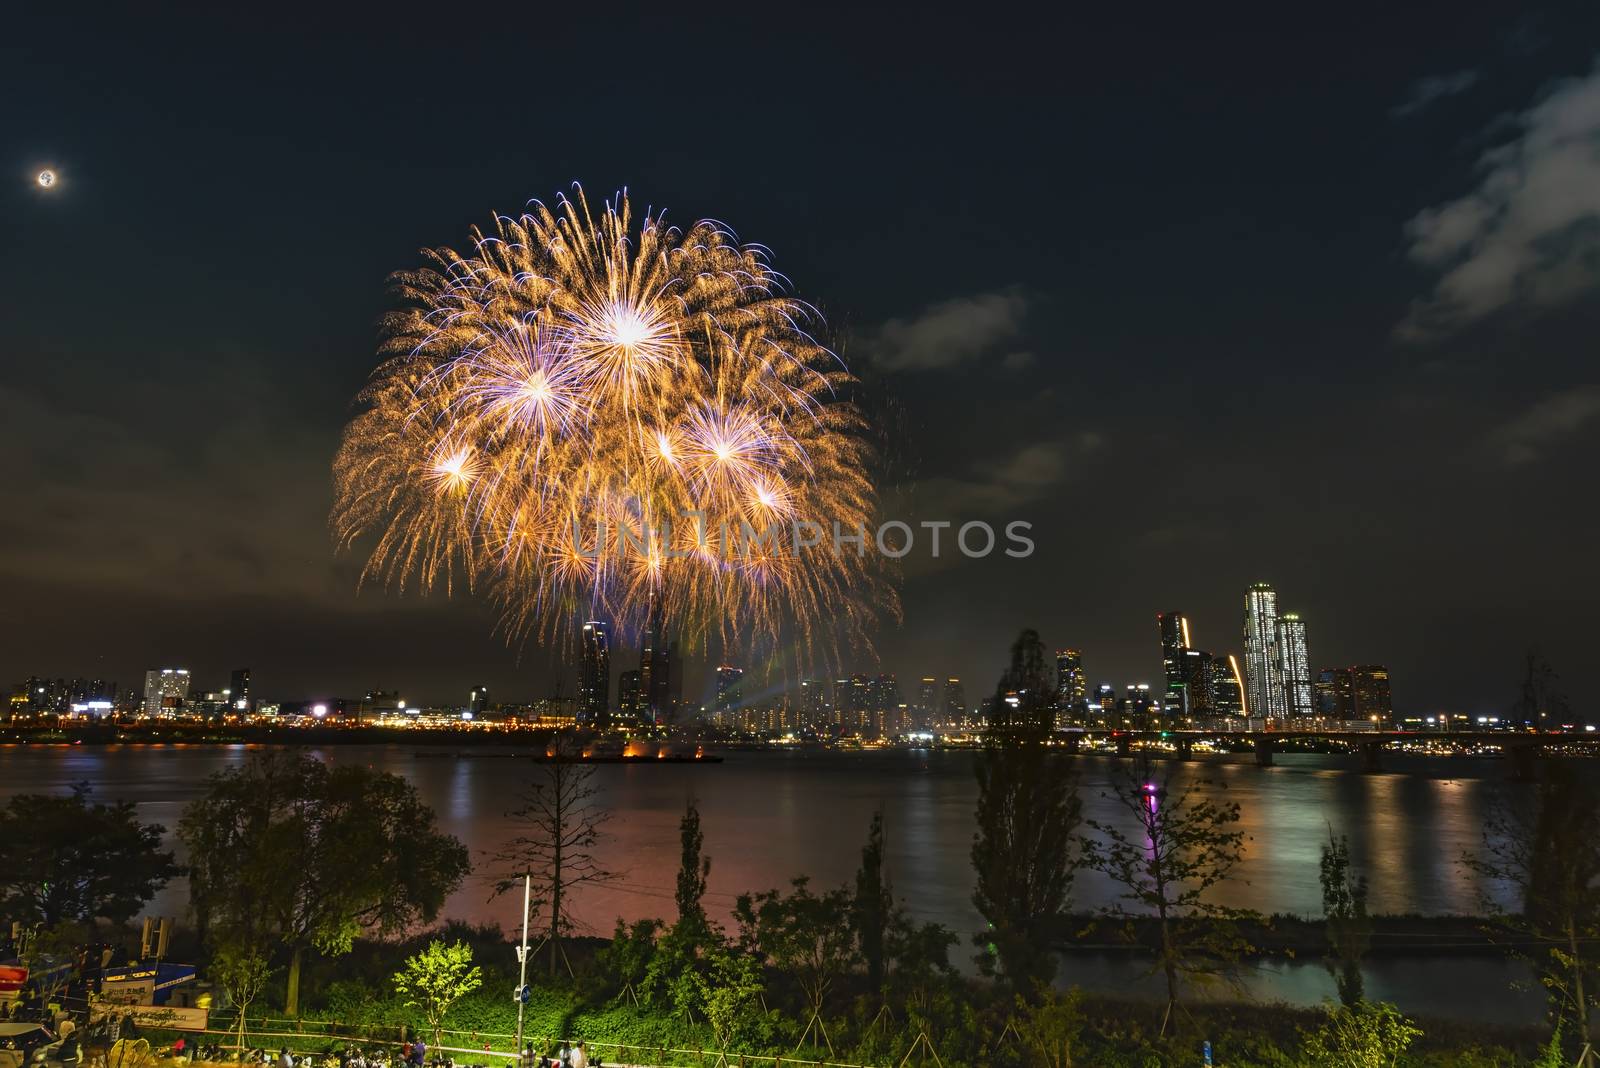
column 1051, row 1027
column 693, row 871
column 1027, row 815
column 561, row 822
column 436, row 978
column 873, row 906
column 242, row 970
column 1553, row 861
column 730, row 990
column 284, row 848
column 67, row 859
column 1344, row 904
column 628, row 956
column 807, row 937
column 1364, row 1035
column 1184, row 845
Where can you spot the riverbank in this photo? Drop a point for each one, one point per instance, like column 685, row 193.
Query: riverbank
column 1301, row 937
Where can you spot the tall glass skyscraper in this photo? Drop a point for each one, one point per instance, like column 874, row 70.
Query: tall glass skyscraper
column 1263, row 664
column 1174, row 643
column 594, row 672
column 1296, row 665
column 1072, row 686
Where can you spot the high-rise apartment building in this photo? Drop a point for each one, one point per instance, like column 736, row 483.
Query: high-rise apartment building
column 1296, row 665
column 729, row 698
column 1265, row 694
column 594, row 673
column 955, row 702
column 166, row 690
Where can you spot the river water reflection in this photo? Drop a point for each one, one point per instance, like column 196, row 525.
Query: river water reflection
column 768, row 816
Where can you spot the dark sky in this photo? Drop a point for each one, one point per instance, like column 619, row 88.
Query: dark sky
column 1306, row 296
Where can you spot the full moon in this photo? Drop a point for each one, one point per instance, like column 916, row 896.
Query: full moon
column 47, row 179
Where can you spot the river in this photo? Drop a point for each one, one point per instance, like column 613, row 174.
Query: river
column 768, row 816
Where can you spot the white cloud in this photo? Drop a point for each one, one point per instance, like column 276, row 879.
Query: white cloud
column 1524, row 438
column 949, row 333
column 1425, row 92
column 1529, row 234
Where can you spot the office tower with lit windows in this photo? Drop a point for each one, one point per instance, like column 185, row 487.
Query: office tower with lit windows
column 1296, row 665
column 478, row 700
column 927, row 710
column 1072, row 686
column 166, row 690
column 628, row 704
column 594, row 673
column 1369, row 692
column 1197, row 683
column 1265, row 694
column 1227, row 687
column 239, row 690
column 660, row 684
column 1333, row 696
column 955, row 702
column 1174, row 628
column 815, row 707
column 728, row 699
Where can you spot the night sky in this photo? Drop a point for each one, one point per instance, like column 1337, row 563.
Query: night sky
column 1308, row 298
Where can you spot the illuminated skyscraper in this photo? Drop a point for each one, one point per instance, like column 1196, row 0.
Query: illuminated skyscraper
column 814, row 704
column 1198, row 688
column 239, row 690
column 165, row 690
column 927, row 710
column 1296, row 665
column 478, row 700
column 955, row 702
column 1333, row 696
column 1174, row 642
column 628, row 701
column 1072, row 687
column 1227, row 687
column 594, row 673
column 729, row 698
column 659, row 688
column 1263, row 664
column 1369, row 690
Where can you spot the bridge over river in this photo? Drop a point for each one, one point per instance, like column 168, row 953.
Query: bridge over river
column 1522, row 749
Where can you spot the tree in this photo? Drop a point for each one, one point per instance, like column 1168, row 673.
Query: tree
column 1344, row 903
column 437, row 978
column 561, row 823
column 1185, row 845
column 65, row 859
column 1553, row 862
column 1027, row 815
column 284, row 848
column 873, row 906
column 1050, row 1027
column 1363, row 1035
column 693, row 872
column 628, row 957
column 729, row 992
column 242, row 969
column 1540, row 702
column 805, row 936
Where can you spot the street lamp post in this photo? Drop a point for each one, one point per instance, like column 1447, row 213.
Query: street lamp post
column 522, row 965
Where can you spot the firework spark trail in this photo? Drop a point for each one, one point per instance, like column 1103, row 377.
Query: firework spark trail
column 575, row 370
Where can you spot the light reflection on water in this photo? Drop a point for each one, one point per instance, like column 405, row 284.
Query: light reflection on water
column 770, row 816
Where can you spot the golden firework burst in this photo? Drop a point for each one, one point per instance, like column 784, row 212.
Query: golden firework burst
column 601, row 418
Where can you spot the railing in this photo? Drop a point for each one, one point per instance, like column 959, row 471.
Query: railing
column 622, row 1054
